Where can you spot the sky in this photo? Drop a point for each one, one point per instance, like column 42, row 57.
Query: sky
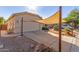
column 43, row 11
column 66, row 10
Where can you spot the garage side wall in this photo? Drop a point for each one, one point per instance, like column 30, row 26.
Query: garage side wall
column 28, row 23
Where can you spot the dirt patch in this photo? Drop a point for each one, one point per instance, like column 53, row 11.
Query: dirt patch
column 21, row 44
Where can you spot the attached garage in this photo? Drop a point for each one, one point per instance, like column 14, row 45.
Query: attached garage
column 14, row 22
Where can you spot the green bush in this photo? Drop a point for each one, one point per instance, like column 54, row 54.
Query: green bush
column 56, row 27
column 67, row 29
column 45, row 27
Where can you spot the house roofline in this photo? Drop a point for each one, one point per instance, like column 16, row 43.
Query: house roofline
column 20, row 13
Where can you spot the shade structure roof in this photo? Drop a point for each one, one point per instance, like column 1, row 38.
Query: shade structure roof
column 51, row 20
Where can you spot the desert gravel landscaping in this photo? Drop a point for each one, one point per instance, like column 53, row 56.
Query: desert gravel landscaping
column 40, row 41
column 16, row 43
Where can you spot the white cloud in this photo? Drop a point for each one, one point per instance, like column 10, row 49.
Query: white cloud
column 32, row 9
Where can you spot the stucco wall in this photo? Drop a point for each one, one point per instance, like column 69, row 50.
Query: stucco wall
column 28, row 23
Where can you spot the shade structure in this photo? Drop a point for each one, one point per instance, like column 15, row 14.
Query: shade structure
column 50, row 20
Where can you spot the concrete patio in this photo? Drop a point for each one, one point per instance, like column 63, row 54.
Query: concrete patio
column 69, row 44
column 49, row 39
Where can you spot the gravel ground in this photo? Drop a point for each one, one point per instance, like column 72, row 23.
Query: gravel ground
column 17, row 44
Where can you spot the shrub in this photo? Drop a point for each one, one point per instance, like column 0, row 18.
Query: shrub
column 45, row 27
column 56, row 27
column 67, row 29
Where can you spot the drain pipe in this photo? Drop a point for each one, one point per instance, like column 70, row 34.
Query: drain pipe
column 21, row 26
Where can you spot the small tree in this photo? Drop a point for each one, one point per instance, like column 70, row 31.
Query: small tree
column 73, row 17
column 1, row 20
column 1, row 23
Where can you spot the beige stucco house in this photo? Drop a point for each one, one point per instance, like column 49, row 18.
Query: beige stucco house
column 14, row 22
